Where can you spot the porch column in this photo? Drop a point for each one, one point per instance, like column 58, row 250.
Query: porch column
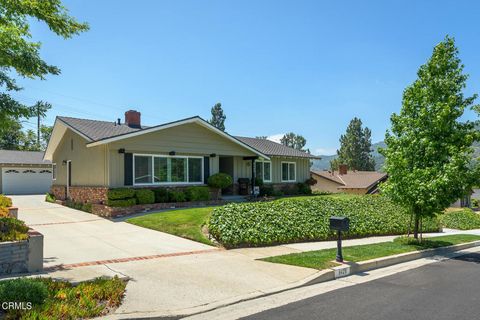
column 253, row 170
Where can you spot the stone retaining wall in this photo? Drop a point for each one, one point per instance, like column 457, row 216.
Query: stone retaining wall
column 22, row 256
column 81, row 194
column 111, row 212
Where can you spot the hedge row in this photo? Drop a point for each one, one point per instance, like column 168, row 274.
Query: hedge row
column 126, row 197
column 295, row 220
column 464, row 219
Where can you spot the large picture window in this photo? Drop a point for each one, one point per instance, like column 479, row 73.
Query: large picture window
column 263, row 170
column 151, row 169
column 289, row 172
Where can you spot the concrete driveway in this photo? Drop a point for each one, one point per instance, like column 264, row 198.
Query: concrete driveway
column 76, row 237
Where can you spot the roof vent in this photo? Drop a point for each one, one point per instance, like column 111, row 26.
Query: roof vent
column 132, row 119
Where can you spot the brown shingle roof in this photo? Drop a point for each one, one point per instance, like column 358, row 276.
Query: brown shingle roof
column 22, row 157
column 271, row 148
column 97, row 130
column 353, row 179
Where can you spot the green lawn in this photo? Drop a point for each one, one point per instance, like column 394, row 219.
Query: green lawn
column 322, row 259
column 186, row 223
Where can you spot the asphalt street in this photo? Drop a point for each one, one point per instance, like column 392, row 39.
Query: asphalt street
column 445, row 290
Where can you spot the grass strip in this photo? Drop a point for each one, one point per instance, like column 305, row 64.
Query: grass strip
column 322, row 259
column 186, row 223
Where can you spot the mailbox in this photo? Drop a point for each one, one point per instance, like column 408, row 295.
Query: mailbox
column 339, row 223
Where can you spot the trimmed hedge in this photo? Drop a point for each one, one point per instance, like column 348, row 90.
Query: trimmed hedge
column 161, row 195
column 5, row 201
column 176, row 196
column 464, row 219
column 197, row 194
column 120, row 193
column 145, row 196
column 23, row 290
column 307, row 219
column 220, row 180
column 12, row 229
column 122, row 202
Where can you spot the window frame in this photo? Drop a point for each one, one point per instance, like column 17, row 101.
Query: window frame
column 288, row 163
column 153, row 183
column 263, row 169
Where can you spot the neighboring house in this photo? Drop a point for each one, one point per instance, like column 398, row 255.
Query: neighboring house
column 348, row 181
column 92, row 156
column 24, row 172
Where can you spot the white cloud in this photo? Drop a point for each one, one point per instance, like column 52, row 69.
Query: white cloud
column 325, row 151
column 276, row 137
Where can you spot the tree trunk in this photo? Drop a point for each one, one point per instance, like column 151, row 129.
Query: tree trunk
column 416, row 227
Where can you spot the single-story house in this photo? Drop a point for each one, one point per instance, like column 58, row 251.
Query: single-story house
column 347, row 181
column 92, row 156
column 24, row 172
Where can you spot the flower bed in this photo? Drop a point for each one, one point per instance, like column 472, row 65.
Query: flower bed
column 307, row 219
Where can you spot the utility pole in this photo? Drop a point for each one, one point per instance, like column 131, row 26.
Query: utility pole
column 38, row 125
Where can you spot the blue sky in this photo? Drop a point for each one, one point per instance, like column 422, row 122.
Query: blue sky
column 276, row 66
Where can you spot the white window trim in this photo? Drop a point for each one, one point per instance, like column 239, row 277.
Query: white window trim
column 54, row 171
column 166, row 183
column 263, row 168
column 295, row 171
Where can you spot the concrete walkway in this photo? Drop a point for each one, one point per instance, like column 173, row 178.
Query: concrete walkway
column 168, row 275
column 74, row 237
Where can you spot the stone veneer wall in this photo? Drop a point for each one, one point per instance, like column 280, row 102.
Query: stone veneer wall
column 111, row 212
column 81, row 194
column 22, row 256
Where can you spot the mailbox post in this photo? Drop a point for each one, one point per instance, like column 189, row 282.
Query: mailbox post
column 339, row 224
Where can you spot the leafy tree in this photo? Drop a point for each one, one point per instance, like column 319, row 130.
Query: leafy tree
column 11, row 134
column 294, row 141
column 218, row 117
column 428, row 151
column 355, row 148
column 19, row 54
column 45, row 134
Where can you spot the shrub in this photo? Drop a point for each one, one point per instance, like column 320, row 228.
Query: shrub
column 303, row 188
column 161, row 195
column 5, row 201
column 145, row 196
column 294, row 220
column 120, row 193
column 220, row 181
column 50, row 198
column 464, row 219
column 475, row 203
column 176, row 196
column 259, row 182
column 321, row 192
column 266, row 191
column 4, row 213
column 122, row 202
column 12, row 229
column 197, row 194
column 310, row 181
column 23, row 290
column 87, row 207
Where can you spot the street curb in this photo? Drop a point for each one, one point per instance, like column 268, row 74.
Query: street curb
column 350, row 268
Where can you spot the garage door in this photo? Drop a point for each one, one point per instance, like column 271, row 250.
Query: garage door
column 26, row 180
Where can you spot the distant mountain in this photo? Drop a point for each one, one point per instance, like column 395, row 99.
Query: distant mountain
column 324, row 163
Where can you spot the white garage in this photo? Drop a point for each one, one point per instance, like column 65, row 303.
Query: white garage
column 25, row 172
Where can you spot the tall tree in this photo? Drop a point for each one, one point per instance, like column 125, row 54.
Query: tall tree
column 429, row 150
column 18, row 53
column 294, row 141
column 356, row 147
column 218, row 117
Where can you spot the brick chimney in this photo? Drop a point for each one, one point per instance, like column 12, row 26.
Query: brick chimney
column 132, row 119
column 342, row 169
